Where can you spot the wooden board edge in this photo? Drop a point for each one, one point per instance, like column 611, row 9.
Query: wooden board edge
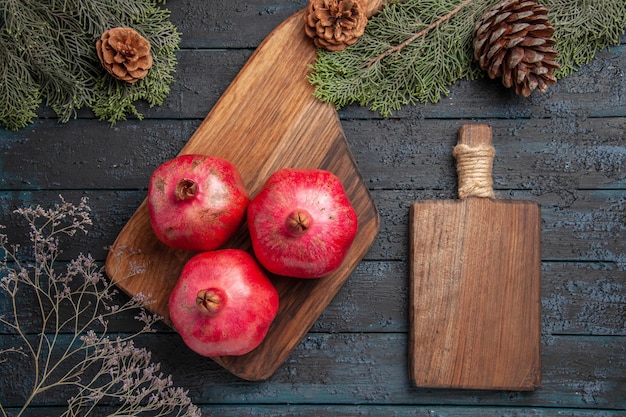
column 533, row 379
column 371, row 231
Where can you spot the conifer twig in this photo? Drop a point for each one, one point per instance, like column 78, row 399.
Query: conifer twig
column 361, row 75
column 48, row 55
column 419, row 34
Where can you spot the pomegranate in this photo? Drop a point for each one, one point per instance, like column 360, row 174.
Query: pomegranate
column 223, row 303
column 196, row 202
column 301, row 223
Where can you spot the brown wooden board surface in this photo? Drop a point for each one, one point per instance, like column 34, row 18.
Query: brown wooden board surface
column 565, row 149
column 475, row 290
column 266, row 120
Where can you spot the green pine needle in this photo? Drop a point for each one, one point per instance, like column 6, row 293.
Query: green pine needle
column 48, row 54
column 422, row 71
column 19, row 101
column 581, row 28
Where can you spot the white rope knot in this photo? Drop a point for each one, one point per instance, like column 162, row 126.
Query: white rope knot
column 474, row 165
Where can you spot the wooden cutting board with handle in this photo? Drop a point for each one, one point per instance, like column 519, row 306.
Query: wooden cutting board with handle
column 267, row 119
column 475, row 282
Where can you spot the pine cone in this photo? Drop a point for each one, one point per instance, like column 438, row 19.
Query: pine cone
column 513, row 40
column 335, row 24
column 125, row 54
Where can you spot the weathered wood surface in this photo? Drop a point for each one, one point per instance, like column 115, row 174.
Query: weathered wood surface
column 566, row 150
column 545, row 155
column 361, row 368
column 278, row 124
column 291, row 410
column 475, row 281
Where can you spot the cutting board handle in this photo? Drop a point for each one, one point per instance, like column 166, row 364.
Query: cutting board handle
column 474, row 161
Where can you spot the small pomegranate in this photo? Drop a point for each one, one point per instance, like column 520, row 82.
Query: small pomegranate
column 223, row 303
column 301, row 223
column 196, row 202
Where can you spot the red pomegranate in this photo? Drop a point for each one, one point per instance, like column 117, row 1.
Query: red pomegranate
column 223, row 303
column 196, row 202
column 301, row 223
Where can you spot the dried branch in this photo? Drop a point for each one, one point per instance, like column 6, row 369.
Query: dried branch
column 72, row 348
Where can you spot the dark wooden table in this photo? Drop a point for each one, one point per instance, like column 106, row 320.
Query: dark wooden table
column 565, row 149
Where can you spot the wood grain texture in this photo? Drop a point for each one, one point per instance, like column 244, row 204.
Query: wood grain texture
column 475, row 290
column 579, row 297
column 590, row 229
column 291, row 410
column 565, row 149
column 543, row 156
column 581, row 372
column 266, row 120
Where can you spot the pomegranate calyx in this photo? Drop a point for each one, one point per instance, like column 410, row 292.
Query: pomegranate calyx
column 186, row 188
column 298, row 222
column 210, row 300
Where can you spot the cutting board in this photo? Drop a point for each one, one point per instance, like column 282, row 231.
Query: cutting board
column 267, row 119
column 475, row 277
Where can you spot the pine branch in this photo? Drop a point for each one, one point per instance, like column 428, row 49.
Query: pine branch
column 413, row 50
column 583, row 28
column 419, row 34
column 47, row 53
column 419, row 73
column 115, row 99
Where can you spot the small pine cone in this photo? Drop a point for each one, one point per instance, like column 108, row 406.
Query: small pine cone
column 513, row 40
column 125, row 54
column 335, row 24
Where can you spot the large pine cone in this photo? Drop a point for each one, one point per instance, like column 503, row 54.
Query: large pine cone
column 513, row 40
column 335, row 24
column 125, row 54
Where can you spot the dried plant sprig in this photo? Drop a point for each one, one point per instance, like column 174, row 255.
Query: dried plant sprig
column 79, row 301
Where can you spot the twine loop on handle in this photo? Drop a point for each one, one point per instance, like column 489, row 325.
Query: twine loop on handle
column 474, row 165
